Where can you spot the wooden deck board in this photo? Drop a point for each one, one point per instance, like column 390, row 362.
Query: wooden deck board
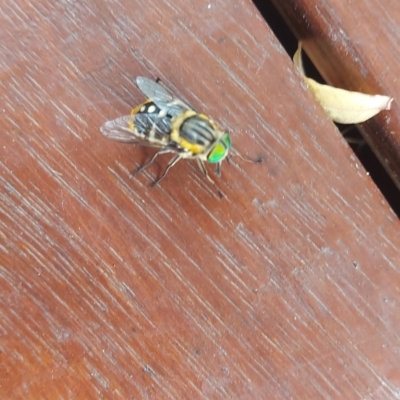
column 287, row 288
column 353, row 44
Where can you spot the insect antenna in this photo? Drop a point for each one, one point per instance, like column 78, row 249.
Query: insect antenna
column 258, row 160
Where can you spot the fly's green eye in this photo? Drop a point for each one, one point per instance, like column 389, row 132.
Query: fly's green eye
column 226, row 139
column 221, row 149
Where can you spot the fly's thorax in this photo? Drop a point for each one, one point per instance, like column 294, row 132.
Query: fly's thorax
column 196, row 133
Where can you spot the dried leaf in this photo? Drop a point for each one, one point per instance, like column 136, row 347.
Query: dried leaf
column 298, row 60
column 341, row 105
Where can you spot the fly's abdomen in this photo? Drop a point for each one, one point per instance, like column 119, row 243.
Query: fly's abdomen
column 151, row 122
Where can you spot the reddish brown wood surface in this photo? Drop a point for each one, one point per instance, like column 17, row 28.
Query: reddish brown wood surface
column 354, row 44
column 288, row 288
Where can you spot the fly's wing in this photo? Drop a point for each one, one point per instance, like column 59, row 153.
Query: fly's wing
column 164, row 99
column 154, row 90
column 136, row 129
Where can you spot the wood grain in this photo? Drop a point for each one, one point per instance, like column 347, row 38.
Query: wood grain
column 353, row 44
column 288, row 288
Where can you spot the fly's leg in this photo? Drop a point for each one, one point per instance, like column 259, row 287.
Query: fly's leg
column 169, row 166
column 218, row 170
column 145, row 165
column 204, row 170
